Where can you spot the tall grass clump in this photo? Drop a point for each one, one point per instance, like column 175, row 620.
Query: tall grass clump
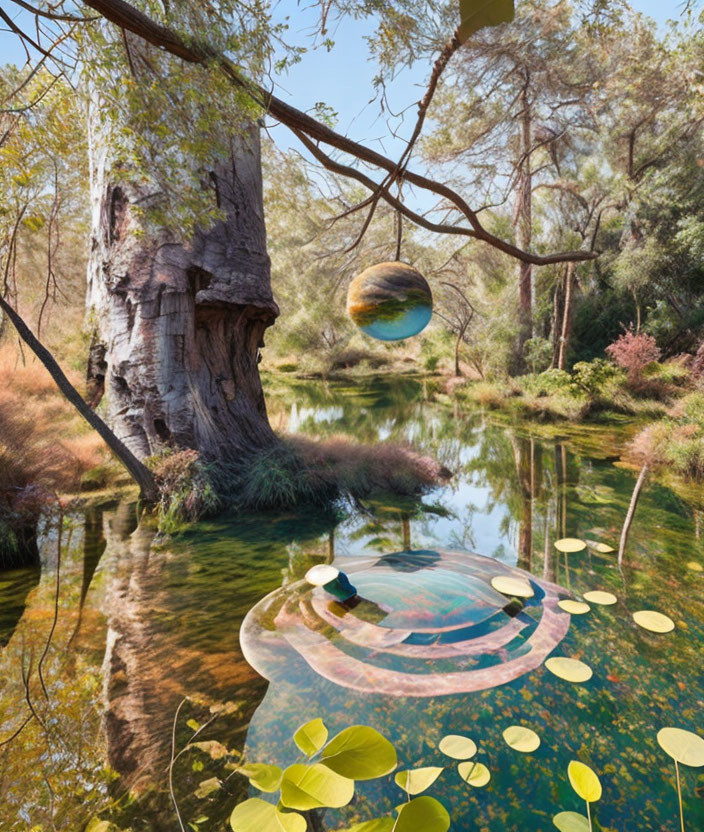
column 294, row 472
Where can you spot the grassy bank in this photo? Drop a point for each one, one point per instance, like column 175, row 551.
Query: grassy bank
column 45, row 450
column 593, row 391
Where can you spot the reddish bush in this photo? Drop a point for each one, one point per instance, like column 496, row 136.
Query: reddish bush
column 633, row 351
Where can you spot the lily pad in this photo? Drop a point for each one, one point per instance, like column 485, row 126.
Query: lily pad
column 311, row 737
column 573, row 607
column 695, row 567
column 584, row 781
column 476, row 774
column 683, row 746
column 514, row 587
column 315, row 786
column 570, row 544
column 457, row 747
column 604, row 549
column 417, row 780
column 571, row 822
column 521, row 739
column 656, row 622
column 596, row 596
column 264, row 817
column 572, row 670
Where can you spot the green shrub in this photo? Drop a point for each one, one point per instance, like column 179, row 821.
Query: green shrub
column 546, row 383
column 538, row 353
column 594, row 378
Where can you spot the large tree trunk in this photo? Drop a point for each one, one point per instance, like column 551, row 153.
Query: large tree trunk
column 181, row 322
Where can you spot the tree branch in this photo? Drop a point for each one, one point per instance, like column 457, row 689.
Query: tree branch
column 127, row 17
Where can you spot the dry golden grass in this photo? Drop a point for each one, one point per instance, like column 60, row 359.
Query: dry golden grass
column 43, row 441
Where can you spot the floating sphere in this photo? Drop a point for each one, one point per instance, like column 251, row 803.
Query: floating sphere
column 390, row 301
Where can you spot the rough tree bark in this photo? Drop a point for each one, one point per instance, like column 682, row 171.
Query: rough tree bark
column 180, row 323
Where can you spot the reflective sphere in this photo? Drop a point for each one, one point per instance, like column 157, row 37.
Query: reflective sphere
column 390, row 301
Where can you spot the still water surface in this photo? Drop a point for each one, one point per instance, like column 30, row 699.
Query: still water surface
column 140, row 625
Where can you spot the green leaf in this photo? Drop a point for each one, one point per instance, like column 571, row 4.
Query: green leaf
column 417, row 780
column 683, row 746
column 361, row 753
column 313, row 787
column 193, row 725
column 571, row 822
column 457, row 747
column 207, row 787
column 263, row 777
column 476, row 14
column 422, row 814
column 378, row 825
column 584, row 781
column 311, row 737
column 257, row 814
column 475, row 774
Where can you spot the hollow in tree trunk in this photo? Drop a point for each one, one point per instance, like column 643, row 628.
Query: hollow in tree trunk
column 179, row 324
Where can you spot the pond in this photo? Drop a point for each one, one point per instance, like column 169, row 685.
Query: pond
column 138, row 628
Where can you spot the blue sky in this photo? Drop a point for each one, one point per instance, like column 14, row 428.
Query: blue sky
column 342, row 78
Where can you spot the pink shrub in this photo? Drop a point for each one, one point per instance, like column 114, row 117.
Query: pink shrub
column 633, row 351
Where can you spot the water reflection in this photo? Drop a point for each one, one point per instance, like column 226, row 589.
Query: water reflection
column 142, row 624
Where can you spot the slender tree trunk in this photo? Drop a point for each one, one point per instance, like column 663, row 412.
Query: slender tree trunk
column 631, row 513
column 523, row 221
column 182, row 322
column 523, row 460
column 458, row 342
column 139, row 472
column 566, row 318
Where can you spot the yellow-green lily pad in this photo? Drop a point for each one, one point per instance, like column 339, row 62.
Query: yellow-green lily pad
column 596, row 596
column 515, row 587
column 571, row 822
column 684, row 747
column 695, row 567
column 584, row 781
column 457, row 747
column 656, row 622
column 476, row 774
column 521, row 739
column 571, row 670
column 603, row 548
column 573, row 607
column 570, row 544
